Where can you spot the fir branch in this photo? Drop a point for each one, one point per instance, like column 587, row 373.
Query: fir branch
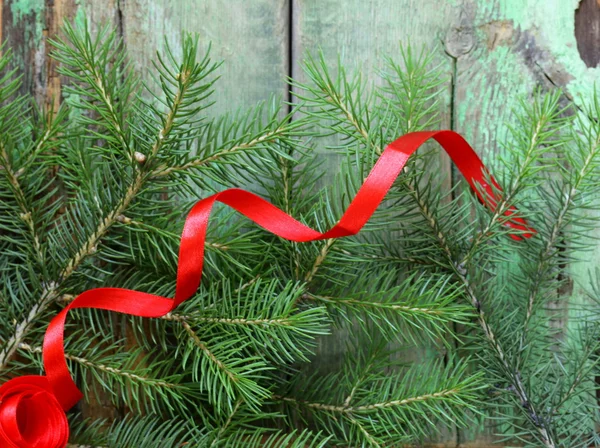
column 21, row 329
column 330, row 94
column 401, row 396
column 100, row 67
column 51, row 292
column 347, row 409
column 360, row 379
column 325, row 248
column 202, row 346
column 263, row 316
column 514, row 375
column 139, row 380
column 84, row 56
column 54, row 122
column 89, row 246
column 582, row 173
column 145, row 432
column 105, row 368
column 412, row 310
column 221, row 373
column 370, row 438
column 263, row 328
column 584, row 366
column 13, row 130
column 259, row 322
column 264, row 437
column 187, row 81
column 122, row 219
column 26, row 211
column 536, row 137
column 218, row 156
column 223, row 429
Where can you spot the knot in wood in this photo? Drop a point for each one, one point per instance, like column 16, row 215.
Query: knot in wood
column 459, row 41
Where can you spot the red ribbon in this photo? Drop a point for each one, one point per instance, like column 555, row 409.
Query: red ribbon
column 32, row 409
column 30, row 415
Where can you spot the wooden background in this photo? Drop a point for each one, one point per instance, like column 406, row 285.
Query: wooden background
column 493, row 51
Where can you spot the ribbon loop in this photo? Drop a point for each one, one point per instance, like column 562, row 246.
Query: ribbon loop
column 30, row 415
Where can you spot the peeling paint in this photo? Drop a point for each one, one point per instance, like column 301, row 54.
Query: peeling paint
column 80, row 16
column 500, row 32
column 22, row 8
column 554, row 23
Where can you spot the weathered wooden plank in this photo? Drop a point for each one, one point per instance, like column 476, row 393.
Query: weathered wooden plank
column 26, row 26
column 56, row 12
column 23, row 24
column 511, row 48
column 363, row 33
column 250, row 37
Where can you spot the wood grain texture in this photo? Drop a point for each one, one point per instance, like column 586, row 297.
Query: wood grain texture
column 23, row 24
column 251, row 37
column 56, row 12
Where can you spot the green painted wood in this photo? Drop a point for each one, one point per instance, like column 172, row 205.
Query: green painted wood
column 23, row 23
column 509, row 48
column 251, row 37
column 26, row 26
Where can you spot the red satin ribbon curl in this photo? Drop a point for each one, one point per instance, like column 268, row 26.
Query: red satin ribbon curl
column 32, row 408
column 30, row 415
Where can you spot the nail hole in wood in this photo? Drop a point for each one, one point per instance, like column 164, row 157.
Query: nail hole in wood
column 587, row 31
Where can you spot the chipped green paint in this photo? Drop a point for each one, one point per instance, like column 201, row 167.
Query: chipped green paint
column 489, row 95
column 25, row 36
column 22, row 8
column 519, row 45
column 552, row 23
column 80, row 15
